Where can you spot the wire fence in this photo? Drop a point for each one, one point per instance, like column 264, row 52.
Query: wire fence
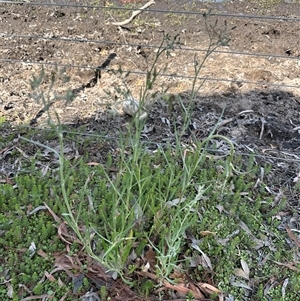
column 29, row 35
column 108, row 42
column 163, row 11
column 88, row 6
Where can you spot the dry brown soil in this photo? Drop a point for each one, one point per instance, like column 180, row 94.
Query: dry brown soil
column 256, row 98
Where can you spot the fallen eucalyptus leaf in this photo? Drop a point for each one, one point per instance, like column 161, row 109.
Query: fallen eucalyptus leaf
column 240, row 273
column 245, row 268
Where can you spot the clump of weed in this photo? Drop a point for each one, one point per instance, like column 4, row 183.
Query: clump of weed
column 147, row 214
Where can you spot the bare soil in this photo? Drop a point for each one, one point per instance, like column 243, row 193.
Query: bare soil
column 256, row 98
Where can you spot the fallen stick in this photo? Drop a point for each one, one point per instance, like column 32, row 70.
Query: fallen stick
column 134, row 14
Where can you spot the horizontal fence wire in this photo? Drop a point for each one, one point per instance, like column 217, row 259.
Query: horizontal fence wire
column 145, row 73
column 296, row 19
column 107, row 42
column 180, row 48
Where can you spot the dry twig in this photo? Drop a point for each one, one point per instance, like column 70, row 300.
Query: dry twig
column 134, row 14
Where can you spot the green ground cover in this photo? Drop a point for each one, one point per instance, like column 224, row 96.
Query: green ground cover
column 200, row 214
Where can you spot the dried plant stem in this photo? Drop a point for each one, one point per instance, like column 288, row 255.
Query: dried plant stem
column 134, row 14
